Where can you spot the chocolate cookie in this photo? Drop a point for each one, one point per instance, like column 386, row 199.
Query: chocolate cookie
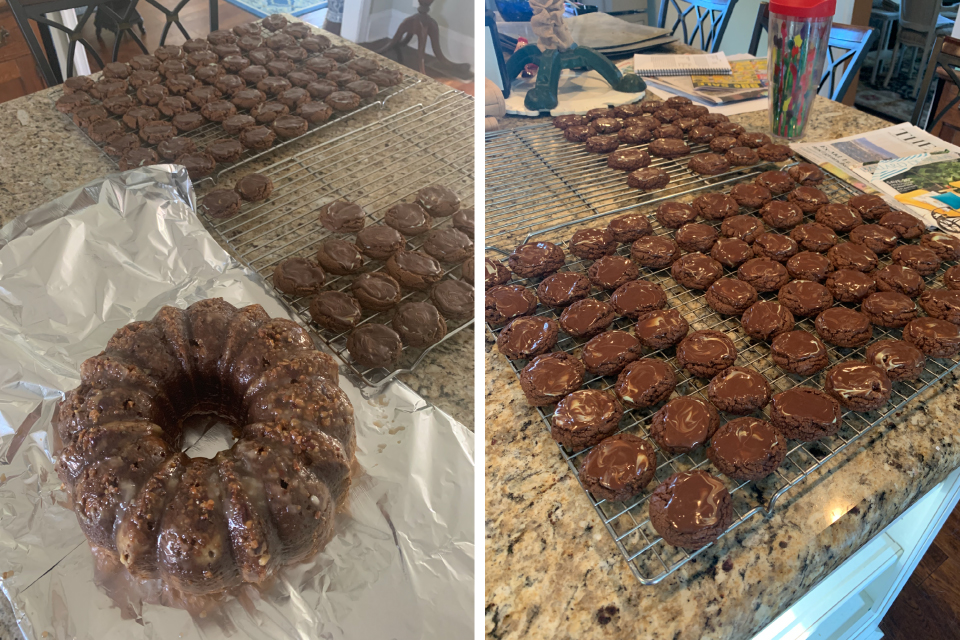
column 298, row 276
column 629, row 227
column 747, row 449
column 119, row 143
column 838, row 217
column 563, row 288
column 220, row 203
column 667, row 131
column 775, row 152
column 635, row 135
column 731, row 297
column 942, row 303
column 696, row 271
column 117, row 105
column 919, row 258
column 889, row 309
column 584, row 418
column 730, row 129
column 666, row 114
column 691, row 509
column 438, row 201
column 503, row 303
column 739, row 391
column 695, row 236
column 934, row 337
column 374, row 345
column 844, row 327
column 379, row 242
column 591, row 244
column 742, row 156
column 778, row 182
column 946, row 246
column 809, row 199
column 900, row 360
column 874, row 237
column 550, row 377
column 619, row 467
column 218, row 110
column 629, row 159
column 781, row 215
column 578, row 133
column 175, row 147
column 247, row 99
column 102, row 130
column 674, row 215
column 661, row 329
column 849, row 285
column 376, row 291
column 290, row 126
column 408, row 218
column 339, row 257
column 708, row 164
column 335, row 310
column 609, row 352
column 857, row 385
column 343, row 217
column 668, row 148
column 268, row 112
column 850, row 255
column 722, row 143
column 766, row 319
column 454, row 299
column 448, row 245
column 645, row 382
column 806, row 174
column 648, row 178
column 799, row 352
column 763, row 274
column 903, row 224
column 83, row 117
column 751, row 196
column 654, row 252
column 753, row 140
column 706, row 353
column 414, row 269
column 716, row 206
column 684, row 424
column 610, row 272
column 637, row 297
column 315, row 112
column 197, row 164
column 70, row 102
column 235, row 124
column 168, row 52
column 586, row 318
column 813, row 236
column 805, row 298
column 419, row 324
column 157, row 131
column 741, row 227
column 80, row 83
column 225, row 150
column 775, row 246
column 563, row 122
column 901, row 279
column 808, row 265
column 806, row 414
column 951, row 278
column 731, row 252
column 607, row 125
column 701, row 134
column 535, row 259
column 257, row 138
column 870, row 207
column 186, row 122
column 254, row 187
column 527, row 337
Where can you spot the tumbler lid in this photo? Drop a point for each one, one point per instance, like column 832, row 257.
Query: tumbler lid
column 804, row 8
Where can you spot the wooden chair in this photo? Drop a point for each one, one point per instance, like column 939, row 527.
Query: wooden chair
column 846, row 50
column 944, row 62
column 26, row 10
column 712, row 17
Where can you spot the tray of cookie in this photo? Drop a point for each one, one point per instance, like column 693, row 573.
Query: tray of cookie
column 367, row 237
column 217, row 102
column 697, row 354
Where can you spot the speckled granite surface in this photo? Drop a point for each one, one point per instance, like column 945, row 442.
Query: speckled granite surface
column 552, row 570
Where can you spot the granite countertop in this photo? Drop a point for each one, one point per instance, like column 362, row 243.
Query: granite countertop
column 552, row 570
column 43, row 156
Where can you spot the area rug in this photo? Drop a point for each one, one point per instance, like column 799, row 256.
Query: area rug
column 264, row 8
column 895, row 102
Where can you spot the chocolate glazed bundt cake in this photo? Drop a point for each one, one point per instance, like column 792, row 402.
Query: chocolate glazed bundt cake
column 206, row 525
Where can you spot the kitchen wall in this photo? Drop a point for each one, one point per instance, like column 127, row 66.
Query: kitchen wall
column 455, row 17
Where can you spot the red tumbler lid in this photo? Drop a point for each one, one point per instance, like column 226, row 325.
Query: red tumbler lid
column 804, row 8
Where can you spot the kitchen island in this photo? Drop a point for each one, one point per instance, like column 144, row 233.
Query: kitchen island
column 553, row 571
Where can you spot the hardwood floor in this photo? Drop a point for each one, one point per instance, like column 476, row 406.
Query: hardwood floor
column 928, row 608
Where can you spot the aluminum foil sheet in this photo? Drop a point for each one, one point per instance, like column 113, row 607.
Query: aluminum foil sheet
column 75, row 270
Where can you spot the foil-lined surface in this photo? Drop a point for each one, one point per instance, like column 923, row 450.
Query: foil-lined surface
column 75, row 270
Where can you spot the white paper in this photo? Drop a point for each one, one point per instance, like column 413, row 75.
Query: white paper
column 647, row 64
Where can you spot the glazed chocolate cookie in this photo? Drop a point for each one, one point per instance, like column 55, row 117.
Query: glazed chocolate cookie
column 753, row 140
column 550, row 377
column 535, row 259
column 197, row 164
column 438, row 201
column 674, row 215
column 946, row 246
column 858, row 385
column 463, row 221
column 290, row 126
column 668, row 148
column 607, row 125
column 691, row 509
column 778, row 182
column 157, row 131
column 602, row 144
column 494, row 273
column 747, row 449
column 805, row 298
column 80, row 84
column 376, row 291
column 706, row 353
column 839, row 217
column 225, row 150
column 739, row 391
column 775, row 246
column 766, row 320
column 220, row 204
column 889, row 309
column 661, row 329
column 901, row 279
column 870, row 207
column 844, row 327
column 609, row 352
column 635, row 135
column 806, row 174
column 668, row 131
column 564, row 122
column 102, row 130
column 186, row 122
column 684, row 424
column 805, row 414
column 900, row 360
column 374, row 345
column 578, row 133
column 601, row 112
column 919, row 258
column 813, row 236
column 527, row 337
column 763, row 274
column 715, row 206
column 563, row 289
column 70, row 102
column 379, row 242
column 951, row 278
column 696, row 236
column 799, row 352
column 175, row 147
column 730, row 129
column 942, row 303
column 298, row 276
column 934, row 337
column 850, row 285
column 645, row 382
column 850, row 255
column 254, row 187
column 257, row 138
column 751, row 196
column 741, row 227
column 218, row 110
column 774, row 152
column 268, row 112
column 503, row 303
column 730, row 297
column 419, row 324
column 708, row 164
column 414, row 269
column 666, row 114
column 409, row 218
column 722, row 143
column 808, row 265
column 781, row 215
column 731, row 252
column 592, row 244
column 448, row 245
column 629, row 159
column 235, row 124
column 874, row 237
column 584, row 418
column 339, row 257
column 342, row 216
column 809, row 199
column 139, row 116
column 335, row 310
column 654, row 252
column 619, row 467
column 696, row 271
column 701, row 134
column 586, row 318
column 610, row 272
column 648, row 178
column 741, row 156
column 637, row 297
column 903, row 224
column 630, row 227
column 118, row 144
column 117, row 105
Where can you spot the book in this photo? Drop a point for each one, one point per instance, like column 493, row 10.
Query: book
column 745, row 75
column 681, row 65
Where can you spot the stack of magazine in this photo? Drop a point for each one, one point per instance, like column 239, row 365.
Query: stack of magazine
column 747, row 81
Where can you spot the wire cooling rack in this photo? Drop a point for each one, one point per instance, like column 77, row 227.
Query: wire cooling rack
column 601, row 193
column 211, row 131
column 374, row 166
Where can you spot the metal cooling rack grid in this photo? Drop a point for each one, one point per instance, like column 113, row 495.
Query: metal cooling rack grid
column 212, row 131
column 649, row 557
column 374, row 166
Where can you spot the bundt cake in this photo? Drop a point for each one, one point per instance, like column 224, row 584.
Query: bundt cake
column 206, row 525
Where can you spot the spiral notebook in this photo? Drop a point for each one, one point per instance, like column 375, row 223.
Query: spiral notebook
column 705, row 64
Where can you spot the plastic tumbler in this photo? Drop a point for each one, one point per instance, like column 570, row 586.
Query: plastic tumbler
column 797, row 42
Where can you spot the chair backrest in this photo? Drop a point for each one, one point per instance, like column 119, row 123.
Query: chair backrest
column 709, row 17
column 945, row 63
column 847, row 47
column 919, row 15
